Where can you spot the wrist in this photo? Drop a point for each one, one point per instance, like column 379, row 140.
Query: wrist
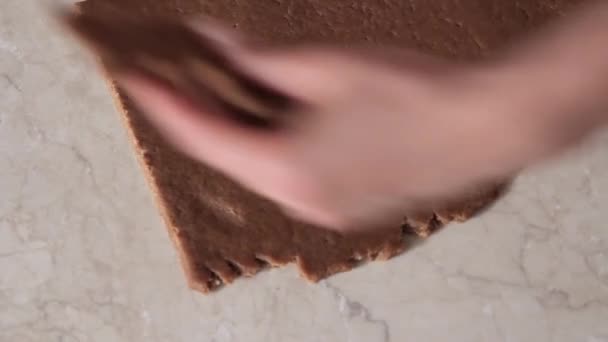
column 548, row 103
column 558, row 79
column 494, row 117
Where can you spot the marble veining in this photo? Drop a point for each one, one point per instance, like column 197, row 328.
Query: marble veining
column 84, row 255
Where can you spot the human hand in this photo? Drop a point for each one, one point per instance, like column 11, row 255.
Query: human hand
column 385, row 132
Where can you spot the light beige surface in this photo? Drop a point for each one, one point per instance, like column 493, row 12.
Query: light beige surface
column 84, row 256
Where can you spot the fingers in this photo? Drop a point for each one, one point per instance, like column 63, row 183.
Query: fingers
column 207, row 136
column 310, row 75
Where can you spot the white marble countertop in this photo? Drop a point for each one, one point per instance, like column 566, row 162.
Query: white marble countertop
column 84, row 255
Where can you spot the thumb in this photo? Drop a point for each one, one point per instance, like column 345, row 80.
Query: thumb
column 310, row 74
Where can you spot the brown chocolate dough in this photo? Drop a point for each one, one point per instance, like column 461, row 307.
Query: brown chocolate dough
column 223, row 231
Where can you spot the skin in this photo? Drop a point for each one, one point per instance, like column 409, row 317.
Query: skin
column 385, row 136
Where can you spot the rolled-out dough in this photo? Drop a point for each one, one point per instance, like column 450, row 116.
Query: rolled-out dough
column 223, row 231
